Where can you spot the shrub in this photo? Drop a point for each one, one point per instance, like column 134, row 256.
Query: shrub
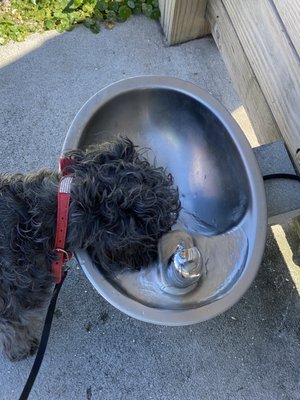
column 19, row 18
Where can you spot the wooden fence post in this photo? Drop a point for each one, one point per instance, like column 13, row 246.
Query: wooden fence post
column 183, row 20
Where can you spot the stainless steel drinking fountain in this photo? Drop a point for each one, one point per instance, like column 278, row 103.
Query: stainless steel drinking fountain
column 211, row 256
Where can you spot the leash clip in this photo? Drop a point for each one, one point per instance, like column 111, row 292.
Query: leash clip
column 67, row 254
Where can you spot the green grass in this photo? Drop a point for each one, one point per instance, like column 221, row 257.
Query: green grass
column 19, row 18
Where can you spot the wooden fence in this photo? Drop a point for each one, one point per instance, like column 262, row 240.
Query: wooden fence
column 259, row 41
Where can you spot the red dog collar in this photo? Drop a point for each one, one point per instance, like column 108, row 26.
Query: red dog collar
column 63, row 202
column 64, row 162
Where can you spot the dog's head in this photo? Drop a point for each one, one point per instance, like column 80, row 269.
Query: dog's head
column 121, row 204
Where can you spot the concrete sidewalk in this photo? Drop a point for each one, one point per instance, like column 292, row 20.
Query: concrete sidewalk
column 95, row 352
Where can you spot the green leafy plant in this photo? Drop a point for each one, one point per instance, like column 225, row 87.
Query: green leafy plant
column 19, row 18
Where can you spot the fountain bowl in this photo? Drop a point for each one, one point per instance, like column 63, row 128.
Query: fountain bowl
column 221, row 189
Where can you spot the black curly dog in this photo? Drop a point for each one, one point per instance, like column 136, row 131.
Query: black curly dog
column 120, row 206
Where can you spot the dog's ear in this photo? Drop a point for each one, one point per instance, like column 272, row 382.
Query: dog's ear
column 121, row 148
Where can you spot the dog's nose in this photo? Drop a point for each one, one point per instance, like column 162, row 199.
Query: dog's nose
column 185, row 267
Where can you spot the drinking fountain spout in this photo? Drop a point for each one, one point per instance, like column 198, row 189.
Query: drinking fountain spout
column 181, row 263
column 185, row 267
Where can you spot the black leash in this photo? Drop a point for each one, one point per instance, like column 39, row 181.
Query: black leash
column 281, row 176
column 44, row 340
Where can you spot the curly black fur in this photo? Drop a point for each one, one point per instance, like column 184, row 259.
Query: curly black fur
column 120, row 206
